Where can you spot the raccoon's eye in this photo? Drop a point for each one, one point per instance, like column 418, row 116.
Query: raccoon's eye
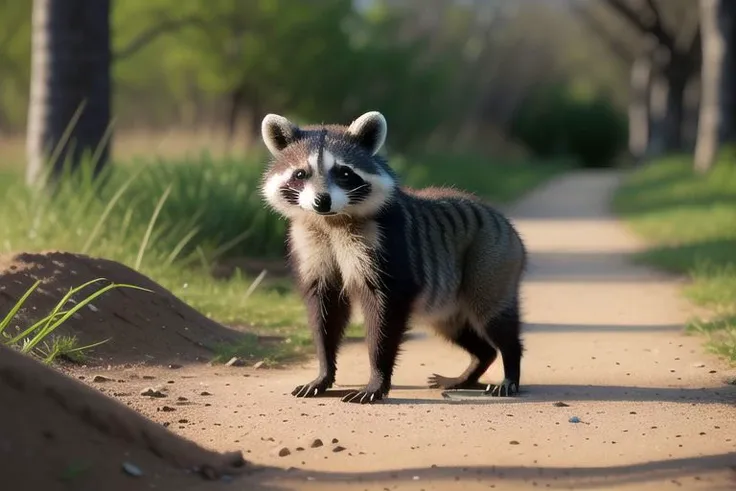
column 300, row 174
column 345, row 172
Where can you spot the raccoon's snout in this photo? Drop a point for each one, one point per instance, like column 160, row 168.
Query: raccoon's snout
column 322, row 203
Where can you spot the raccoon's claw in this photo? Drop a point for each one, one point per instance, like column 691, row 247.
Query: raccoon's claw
column 436, row 381
column 507, row 388
column 312, row 389
column 365, row 396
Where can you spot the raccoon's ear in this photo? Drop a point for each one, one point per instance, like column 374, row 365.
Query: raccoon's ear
column 278, row 133
column 369, row 131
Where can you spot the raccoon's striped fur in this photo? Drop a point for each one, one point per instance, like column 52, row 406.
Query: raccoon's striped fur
column 437, row 256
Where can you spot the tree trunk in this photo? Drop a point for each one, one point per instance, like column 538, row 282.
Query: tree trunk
column 69, row 108
column 712, row 72
column 641, row 73
column 658, row 96
column 235, row 103
column 674, row 120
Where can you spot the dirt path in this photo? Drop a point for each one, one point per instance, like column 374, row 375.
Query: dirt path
column 603, row 337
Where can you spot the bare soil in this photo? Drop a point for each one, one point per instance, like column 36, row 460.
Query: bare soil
column 58, row 433
column 615, row 395
column 142, row 327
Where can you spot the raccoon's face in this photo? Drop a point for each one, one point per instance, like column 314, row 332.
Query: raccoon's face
column 327, row 170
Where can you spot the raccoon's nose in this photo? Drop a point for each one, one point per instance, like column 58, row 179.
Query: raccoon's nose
column 322, row 203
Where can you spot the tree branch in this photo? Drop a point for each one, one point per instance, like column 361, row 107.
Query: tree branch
column 655, row 11
column 612, row 41
column 655, row 28
column 152, row 33
column 694, row 51
column 629, row 14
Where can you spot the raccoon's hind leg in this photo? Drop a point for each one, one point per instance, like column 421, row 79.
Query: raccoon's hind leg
column 504, row 332
column 482, row 356
column 329, row 314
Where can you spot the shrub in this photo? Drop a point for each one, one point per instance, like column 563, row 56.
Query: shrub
column 554, row 124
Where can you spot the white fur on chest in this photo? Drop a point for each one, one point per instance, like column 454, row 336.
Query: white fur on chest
column 324, row 251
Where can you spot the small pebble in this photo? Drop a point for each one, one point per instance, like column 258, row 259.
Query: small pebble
column 338, row 448
column 258, row 365
column 205, row 393
column 132, row 469
column 167, row 409
column 284, row 452
column 150, row 392
column 235, row 362
column 316, row 443
column 174, row 366
column 100, row 379
column 574, row 419
column 561, row 404
column 513, row 442
column 335, row 440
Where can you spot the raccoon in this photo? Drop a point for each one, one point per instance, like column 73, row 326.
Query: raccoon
column 357, row 237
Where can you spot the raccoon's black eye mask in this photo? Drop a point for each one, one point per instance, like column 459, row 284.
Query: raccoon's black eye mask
column 346, row 178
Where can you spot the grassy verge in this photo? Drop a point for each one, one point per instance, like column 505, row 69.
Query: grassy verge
column 174, row 221
column 691, row 222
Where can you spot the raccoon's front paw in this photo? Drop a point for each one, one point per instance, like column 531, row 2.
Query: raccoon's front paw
column 507, row 388
column 369, row 395
column 312, row 389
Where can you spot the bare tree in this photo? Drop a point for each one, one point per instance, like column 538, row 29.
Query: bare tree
column 675, row 61
column 717, row 19
column 69, row 108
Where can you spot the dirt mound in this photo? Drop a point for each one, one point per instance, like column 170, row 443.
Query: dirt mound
column 141, row 326
column 60, row 434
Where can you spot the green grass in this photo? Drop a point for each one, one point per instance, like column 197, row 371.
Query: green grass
column 39, row 338
column 174, row 220
column 691, row 223
column 499, row 181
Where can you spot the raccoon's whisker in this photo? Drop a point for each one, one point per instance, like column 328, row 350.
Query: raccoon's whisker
column 359, row 187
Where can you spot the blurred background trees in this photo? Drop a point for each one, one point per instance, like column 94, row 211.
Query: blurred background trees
column 574, row 78
column 70, row 91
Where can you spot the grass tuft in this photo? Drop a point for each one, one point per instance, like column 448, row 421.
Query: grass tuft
column 39, row 338
column 689, row 219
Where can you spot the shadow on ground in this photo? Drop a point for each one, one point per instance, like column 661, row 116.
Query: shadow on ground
column 595, row 267
column 687, row 257
column 589, row 328
column 553, row 393
column 556, row 477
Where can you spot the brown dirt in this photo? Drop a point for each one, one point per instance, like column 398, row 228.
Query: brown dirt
column 142, row 327
column 60, row 434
